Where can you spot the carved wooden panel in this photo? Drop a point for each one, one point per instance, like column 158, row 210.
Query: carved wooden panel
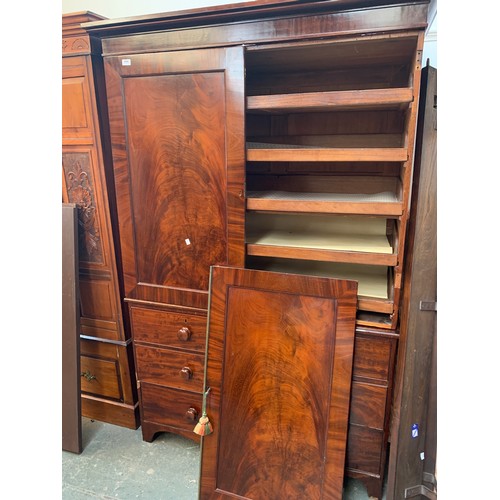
column 280, row 351
column 80, row 190
column 75, row 45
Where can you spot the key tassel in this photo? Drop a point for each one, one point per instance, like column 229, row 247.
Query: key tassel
column 204, row 427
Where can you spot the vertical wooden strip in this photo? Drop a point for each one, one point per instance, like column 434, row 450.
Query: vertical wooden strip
column 410, row 126
column 235, row 155
column 418, row 324
column 71, row 402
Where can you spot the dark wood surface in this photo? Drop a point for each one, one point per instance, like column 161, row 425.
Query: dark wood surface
column 370, row 407
column 71, row 423
column 180, row 370
column 325, row 101
column 105, row 396
column 279, row 364
column 86, row 185
column 169, row 328
column 418, row 326
column 165, row 409
column 169, row 348
column 259, row 9
column 409, row 16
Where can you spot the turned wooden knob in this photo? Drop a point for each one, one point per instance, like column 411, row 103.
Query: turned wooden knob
column 184, row 334
column 192, row 414
column 186, row 372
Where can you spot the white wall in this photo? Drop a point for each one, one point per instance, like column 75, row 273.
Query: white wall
column 124, row 8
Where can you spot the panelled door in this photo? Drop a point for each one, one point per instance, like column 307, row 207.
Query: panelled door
column 279, row 364
column 177, row 130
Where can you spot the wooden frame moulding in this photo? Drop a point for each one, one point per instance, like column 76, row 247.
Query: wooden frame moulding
column 329, row 22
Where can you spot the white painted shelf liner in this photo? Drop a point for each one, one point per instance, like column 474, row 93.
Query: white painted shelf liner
column 328, row 232
column 384, row 197
column 372, row 280
column 340, row 242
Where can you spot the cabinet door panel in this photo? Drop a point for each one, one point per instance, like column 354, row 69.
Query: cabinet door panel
column 279, row 368
column 76, row 102
column 178, row 148
column 175, row 125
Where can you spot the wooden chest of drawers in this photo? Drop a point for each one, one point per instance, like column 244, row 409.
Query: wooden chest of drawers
column 105, row 368
column 373, row 367
column 169, row 348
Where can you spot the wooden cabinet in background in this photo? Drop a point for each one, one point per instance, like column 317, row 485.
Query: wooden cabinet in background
column 108, row 381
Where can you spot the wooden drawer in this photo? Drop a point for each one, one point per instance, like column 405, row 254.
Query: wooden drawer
column 171, row 329
column 180, row 370
column 364, row 449
column 170, row 407
column 373, row 357
column 368, row 404
column 100, row 377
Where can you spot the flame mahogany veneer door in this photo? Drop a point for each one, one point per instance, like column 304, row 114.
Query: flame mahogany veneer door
column 279, row 363
column 177, row 130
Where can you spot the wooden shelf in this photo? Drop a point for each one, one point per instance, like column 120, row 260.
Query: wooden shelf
column 288, row 152
column 384, row 203
column 373, row 281
column 320, row 246
column 392, row 98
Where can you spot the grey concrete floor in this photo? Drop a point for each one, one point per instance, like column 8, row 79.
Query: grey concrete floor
column 117, row 464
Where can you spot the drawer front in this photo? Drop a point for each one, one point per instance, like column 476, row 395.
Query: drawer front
column 171, row 329
column 373, row 357
column 175, row 369
column 171, row 407
column 100, row 377
column 368, row 403
column 364, row 449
